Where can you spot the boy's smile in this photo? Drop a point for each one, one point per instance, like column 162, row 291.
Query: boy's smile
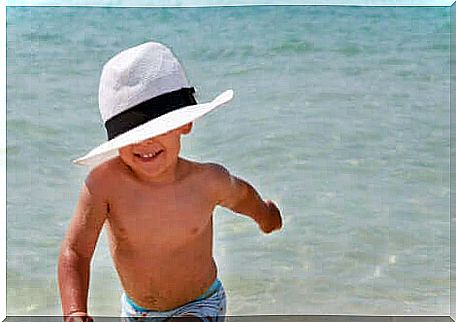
column 149, row 154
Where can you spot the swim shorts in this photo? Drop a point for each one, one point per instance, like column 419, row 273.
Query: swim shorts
column 209, row 307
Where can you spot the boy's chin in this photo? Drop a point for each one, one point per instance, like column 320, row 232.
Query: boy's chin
column 151, row 170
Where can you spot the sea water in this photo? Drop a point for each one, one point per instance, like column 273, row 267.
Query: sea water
column 340, row 115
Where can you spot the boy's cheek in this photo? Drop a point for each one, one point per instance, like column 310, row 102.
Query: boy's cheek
column 123, row 152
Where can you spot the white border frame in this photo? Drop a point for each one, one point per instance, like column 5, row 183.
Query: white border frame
column 136, row 3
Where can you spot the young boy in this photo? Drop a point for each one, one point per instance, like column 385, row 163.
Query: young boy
column 157, row 206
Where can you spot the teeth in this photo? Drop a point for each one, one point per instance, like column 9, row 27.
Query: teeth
column 149, row 155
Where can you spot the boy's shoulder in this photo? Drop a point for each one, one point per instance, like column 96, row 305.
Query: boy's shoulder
column 213, row 176
column 217, row 180
column 209, row 170
column 217, row 171
column 101, row 178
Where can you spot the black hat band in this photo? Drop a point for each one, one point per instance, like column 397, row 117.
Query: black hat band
column 149, row 110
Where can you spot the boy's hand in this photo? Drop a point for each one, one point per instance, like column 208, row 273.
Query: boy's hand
column 274, row 220
column 78, row 317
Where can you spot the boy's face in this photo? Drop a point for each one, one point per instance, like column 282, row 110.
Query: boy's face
column 157, row 156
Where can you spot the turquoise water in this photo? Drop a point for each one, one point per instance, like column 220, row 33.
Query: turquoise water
column 341, row 115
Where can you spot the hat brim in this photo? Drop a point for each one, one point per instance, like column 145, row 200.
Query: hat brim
column 155, row 127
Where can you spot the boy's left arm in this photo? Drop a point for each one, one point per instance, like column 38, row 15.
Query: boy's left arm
column 239, row 196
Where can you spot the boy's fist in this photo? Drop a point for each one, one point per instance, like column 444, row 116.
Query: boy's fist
column 273, row 221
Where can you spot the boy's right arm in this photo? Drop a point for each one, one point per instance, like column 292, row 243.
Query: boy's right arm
column 78, row 247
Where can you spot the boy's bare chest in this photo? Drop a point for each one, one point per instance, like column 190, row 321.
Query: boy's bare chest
column 171, row 216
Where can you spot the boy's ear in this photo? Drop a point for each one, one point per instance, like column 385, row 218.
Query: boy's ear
column 187, row 128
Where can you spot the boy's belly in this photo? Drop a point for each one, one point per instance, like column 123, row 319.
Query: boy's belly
column 163, row 277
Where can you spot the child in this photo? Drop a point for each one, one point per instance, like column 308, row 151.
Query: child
column 157, row 206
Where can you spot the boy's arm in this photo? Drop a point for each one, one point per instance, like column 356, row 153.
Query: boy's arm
column 77, row 250
column 239, row 196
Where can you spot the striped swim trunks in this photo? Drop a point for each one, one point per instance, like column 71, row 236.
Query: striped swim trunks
column 209, row 307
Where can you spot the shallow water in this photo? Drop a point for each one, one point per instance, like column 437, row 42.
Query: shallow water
column 341, row 115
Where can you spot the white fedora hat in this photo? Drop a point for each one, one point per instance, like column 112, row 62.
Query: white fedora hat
column 144, row 93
